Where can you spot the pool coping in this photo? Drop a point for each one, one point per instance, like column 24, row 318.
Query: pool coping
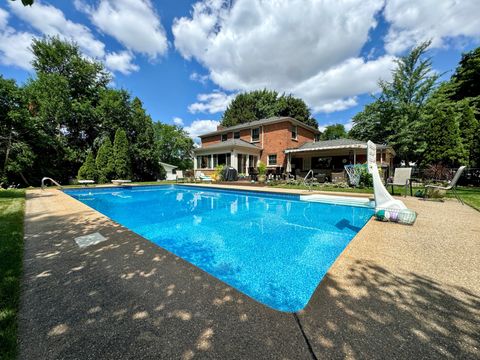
column 302, row 335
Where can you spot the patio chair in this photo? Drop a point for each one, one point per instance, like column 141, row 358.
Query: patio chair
column 401, row 177
column 452, row 185
column 202, row 177
column 179, row 176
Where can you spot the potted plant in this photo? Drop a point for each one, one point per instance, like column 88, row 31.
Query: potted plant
column 262, row 171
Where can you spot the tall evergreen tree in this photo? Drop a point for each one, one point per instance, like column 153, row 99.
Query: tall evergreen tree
column 396, row 113
column 105, row 162
column 121, row 155
column 88, row 170
column 443, row 142
column 143, row 149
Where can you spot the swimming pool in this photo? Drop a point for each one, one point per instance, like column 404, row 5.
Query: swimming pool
column 275, row 248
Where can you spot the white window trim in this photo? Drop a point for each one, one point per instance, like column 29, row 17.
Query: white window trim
column 296, row 132
column 268, row 159
column 251, row 134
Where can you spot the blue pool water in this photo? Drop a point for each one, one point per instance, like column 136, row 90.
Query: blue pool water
column 274, row 248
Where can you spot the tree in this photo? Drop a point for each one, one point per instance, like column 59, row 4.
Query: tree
column 333, row 132
column 396, row 113
column 469, row 129
column 174, row 146
column 16, row 155
column 105, row 162
column 26, row 2
column 143, row 148
column 466, row 79
column 443, row 142
column 262, row 104
column 121, row 155
column 88, row 170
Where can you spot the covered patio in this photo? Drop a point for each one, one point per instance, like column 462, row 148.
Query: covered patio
column 327, row 158
column 236, row 153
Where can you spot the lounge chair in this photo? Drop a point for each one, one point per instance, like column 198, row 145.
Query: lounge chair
column 202, row 177
column 402, row 177
column 452, row 185
column 121, row 182
column 179, row 176
column 86, row 182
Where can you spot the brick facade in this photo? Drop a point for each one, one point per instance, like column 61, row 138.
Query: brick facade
column 275, row 138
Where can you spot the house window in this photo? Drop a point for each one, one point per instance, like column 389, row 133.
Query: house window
column 203, row 162
column 224, row 137
column 272, row 159
column 236, row 135
column 294, row 132
column 221, row 159
column 256, row 134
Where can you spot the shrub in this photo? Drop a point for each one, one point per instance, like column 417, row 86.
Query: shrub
column 218, row 174
column 105, row 162
column 88, row 170
column 262, row 168
column 123, row 169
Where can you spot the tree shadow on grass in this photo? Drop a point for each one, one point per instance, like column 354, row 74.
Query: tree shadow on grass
column 373, row 313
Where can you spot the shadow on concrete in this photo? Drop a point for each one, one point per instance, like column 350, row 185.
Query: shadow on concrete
column 375, row 314
column 128, row 298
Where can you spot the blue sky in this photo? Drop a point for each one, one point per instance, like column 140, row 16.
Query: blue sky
column 187, row 59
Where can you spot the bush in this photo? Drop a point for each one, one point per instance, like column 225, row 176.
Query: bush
column 88, row 170
column 262, row 168
column 218, row 174
column 123, row 169
column 105, row 162
column 366, row 179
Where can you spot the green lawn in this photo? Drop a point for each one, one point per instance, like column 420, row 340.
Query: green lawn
column 12, row 204
column 470, row 195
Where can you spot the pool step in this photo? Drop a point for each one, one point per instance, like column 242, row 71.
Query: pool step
column 339, row 200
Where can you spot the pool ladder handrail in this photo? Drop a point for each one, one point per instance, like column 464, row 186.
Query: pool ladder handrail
column 306, row 178
column 53, row 181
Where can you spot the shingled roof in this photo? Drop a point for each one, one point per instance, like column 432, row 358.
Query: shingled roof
column 229, row 143
column 334, row 144
column 261, row 122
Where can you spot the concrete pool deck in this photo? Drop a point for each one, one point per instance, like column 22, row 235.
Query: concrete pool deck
column 395, row 292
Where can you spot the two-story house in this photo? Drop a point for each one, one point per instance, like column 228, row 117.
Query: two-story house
column 243, row 146
column 285, row 143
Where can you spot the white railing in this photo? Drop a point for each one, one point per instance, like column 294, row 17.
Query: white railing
column 53, row 181
column 306, row 178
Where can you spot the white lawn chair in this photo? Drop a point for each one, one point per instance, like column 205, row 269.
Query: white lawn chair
column 451, row 186
column 402, row 177
column 202, row 177
column 179, row 176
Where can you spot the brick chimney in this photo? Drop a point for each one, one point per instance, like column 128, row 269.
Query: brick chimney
column 220, row 127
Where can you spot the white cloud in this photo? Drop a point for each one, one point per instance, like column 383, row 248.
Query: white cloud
column 3, row 19
column 121, row 62
column 14, row 46
column 49, row 20
column 348, row 125
column 199, row 127
column 212, row 103
column 276, row 44
column 134, row 23
column 199, row 78
column 178, row 121
column 414, row 21
column 311, row 48
column 336, row 88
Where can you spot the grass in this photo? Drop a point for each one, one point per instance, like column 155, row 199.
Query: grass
column 12, row 204
column 470, row 195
